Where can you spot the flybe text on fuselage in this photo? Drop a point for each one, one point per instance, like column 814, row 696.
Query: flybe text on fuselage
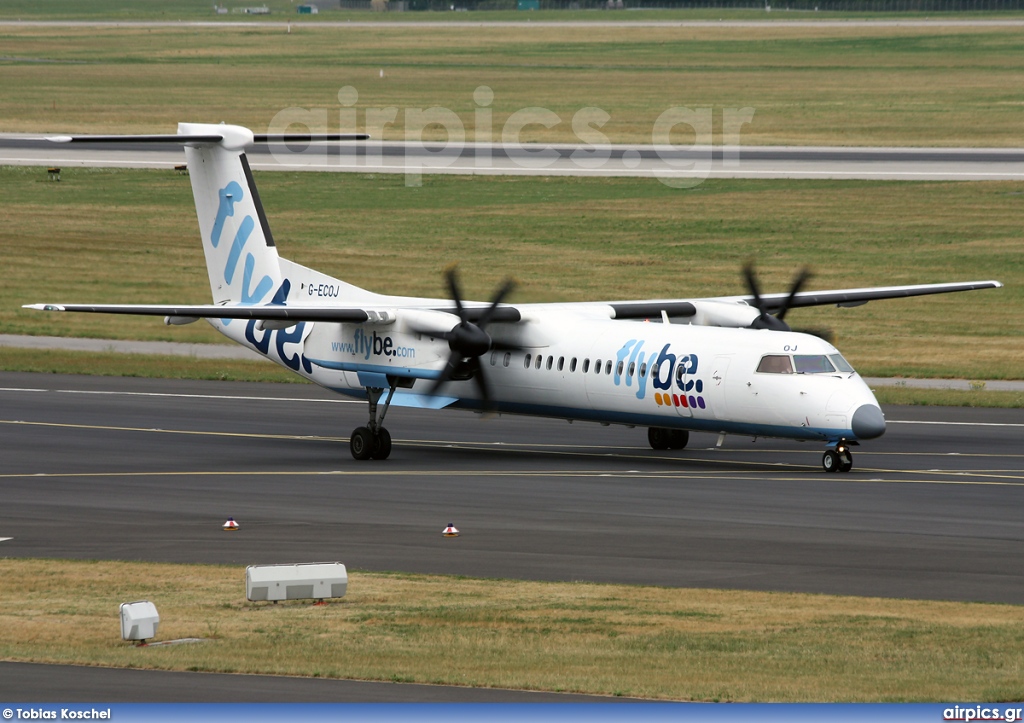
column 374, row 344
column 666, row 370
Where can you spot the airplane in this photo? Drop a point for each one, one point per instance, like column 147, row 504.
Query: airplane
column 724, row 365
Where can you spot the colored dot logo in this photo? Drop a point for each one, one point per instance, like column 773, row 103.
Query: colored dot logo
column 685, row 400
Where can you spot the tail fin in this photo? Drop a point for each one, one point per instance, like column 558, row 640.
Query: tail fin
column 240, row 254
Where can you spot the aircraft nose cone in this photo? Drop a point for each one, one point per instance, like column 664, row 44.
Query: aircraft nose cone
column 868, row 422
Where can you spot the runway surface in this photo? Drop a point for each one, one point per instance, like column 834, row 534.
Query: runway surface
column 107, row 468
column 672, row 164
column 112, row 468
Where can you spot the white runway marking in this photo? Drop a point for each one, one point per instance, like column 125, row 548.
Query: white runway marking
column 957, row 424
column 210, row 396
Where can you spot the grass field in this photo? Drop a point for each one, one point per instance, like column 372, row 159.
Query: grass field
column 129, row 236
column 945, row 86
column 606, row 639
column 284, row 10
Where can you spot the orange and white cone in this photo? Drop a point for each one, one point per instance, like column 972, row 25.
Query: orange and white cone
column 231, row 525
column 450, row 531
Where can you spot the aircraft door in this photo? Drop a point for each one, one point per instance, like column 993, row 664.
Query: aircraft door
column 716, row 385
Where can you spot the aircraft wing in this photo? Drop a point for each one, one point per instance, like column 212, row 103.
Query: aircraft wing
column 652, row 308
column 856, row 297
column 276, row 312
column 212, row 311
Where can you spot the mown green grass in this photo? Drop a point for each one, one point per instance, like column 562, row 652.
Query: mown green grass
column 944, row 86
column 605, row 639
column 129, row 236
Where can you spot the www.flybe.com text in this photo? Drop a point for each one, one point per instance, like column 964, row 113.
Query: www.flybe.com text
column 374, row 344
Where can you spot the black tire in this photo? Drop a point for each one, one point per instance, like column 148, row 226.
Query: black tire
column 845, row 461
column 678, row 439
column 382, row 444
column 658, row 437
column 830, row 461
column 361, row 443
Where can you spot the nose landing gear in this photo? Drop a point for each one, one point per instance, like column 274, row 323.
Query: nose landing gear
column 838, row 458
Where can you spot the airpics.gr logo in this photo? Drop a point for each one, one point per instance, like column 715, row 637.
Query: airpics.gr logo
column 663, row 370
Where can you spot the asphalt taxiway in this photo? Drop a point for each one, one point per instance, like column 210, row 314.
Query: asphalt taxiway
column 140, row 469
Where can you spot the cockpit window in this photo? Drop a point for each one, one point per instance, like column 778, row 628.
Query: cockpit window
column 813, row 364
column 841, row 364
column 775, row 364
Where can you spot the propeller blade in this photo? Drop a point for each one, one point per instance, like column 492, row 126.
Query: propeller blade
column 506, row 288
column 449, row 370
column 798, row 283
column 755, row 290
column 453, row 289
column 481, row 383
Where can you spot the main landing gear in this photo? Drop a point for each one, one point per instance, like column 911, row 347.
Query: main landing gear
column 373, row 441
column 838, row 458
column 661, row 438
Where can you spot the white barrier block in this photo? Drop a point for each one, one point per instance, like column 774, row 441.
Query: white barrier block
column 306, row 581
column 139, row 620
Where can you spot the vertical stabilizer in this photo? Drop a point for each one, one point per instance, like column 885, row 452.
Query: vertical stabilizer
column 240, row 254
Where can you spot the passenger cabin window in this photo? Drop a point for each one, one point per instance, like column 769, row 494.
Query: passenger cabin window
column 540, row 360
column 527, row 361
column 586, row 366
column 550, row 362
column 572, row 365
column 561, row 363
column 618, row 369
column 608, row 367
column 597, row 367
column 632, row 368
column 508, row 358
column 813, row 364
column 643, row 369
column 775, row 364
column 494, row 358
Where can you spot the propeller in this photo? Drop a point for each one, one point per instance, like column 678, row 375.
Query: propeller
column 766, row 320
column 469, row 340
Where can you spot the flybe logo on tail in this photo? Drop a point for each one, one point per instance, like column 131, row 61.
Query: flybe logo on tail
column 231, row 194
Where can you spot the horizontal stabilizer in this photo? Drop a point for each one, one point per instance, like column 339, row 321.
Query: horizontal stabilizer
column 209, row 139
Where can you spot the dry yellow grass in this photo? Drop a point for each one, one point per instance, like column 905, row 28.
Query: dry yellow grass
column 606, row 639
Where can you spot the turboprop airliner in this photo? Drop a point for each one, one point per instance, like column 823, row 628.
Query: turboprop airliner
column 724, row 365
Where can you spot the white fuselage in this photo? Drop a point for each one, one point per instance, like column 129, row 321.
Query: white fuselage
column 574, row 364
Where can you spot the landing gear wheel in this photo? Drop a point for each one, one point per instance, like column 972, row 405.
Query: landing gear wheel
column 362, row 443
column 845, row 461
column 678, row 439
column 658, row 437
column 831, row 461
column 382, row 444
